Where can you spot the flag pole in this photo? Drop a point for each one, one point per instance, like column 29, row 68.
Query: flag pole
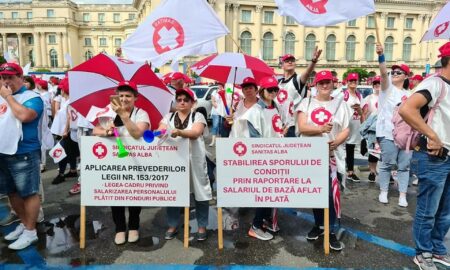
column 377, row 32
column 235, row 43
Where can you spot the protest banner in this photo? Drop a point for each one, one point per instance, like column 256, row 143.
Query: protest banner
column 151, row 175
column 263, row 172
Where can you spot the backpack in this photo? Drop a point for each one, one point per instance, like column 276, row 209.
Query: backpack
column 405, row 137
column 302, row 92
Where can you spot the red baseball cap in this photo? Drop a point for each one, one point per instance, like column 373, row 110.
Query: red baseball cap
column 287, row 56
column 376, row 79
column 11, row 69
column 352, row 76
column 130, row 84
column 268, row 82
column 187, row 91
column 403, row 67
column 335, row 79
column 178, row 76
column 417, row 77
column 322, row 76
column 444, row 50
column 54, row 80
column 43, row 84
column 249, row 81
column 64, row 85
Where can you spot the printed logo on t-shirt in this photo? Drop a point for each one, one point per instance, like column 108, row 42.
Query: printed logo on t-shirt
column 291, row 108
column 277, row 124
column 3, row 108
column 320, row 116
column 282, row 96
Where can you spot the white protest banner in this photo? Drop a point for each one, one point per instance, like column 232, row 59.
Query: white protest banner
column 263, row 172
column 150, row 175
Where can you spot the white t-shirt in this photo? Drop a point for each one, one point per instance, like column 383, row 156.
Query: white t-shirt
column 288, row 100
column 387, row 100
column 214, row 110
column 355, row 122
column 138, row 115
column 441, row 119
column 371, row 103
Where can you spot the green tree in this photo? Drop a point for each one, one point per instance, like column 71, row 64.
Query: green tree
column 2, row 60
column 363, row 74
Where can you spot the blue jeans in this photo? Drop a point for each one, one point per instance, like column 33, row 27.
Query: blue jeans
column 391, row 155
column 20, row 173
column 201, row 214
column 215, row 124
column 291, row 132
column 432, row 220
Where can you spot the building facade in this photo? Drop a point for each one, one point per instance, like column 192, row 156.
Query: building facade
column 44, row 31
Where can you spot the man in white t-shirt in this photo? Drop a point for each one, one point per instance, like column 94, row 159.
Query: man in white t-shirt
column 293, row 89
column 432, row 221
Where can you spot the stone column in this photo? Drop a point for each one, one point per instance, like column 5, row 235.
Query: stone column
column 65, row 48
column 221, row 10
column 420, row 22
column 37, row 49
column 257, row 35
column 382, row 27
column 44, row 53
column 5, row 44
column 398, row 53
column 61, row 58
column 20, row 49
column 235, row 26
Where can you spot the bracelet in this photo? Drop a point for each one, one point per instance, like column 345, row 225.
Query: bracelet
column 314, row 61
column 381, row 59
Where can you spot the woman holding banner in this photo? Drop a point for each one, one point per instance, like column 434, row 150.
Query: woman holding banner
column 130, row 121
column 186, row 123
column 323, row 116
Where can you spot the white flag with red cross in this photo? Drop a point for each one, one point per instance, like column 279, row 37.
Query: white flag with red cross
column 440, row 27
column 324, row 12
column 175, row 29
column 57, row 153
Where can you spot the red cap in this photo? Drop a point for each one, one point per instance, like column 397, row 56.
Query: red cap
column 43, row 84
column 249, row 81
column 417, row 78
column 335, row 79
column 268, row 82
column 187, row 91
column 286, row 57
column 178, row 76
column 54, row 80
column 130, row 84
column 64, row 85
column 376, row 79
column 444, row 50
column 352, row 76
column 11, row 69
column 323, row 75
column 403, row 67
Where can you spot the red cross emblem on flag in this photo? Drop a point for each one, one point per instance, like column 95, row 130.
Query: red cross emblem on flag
column 105, row 110
column 168, row 35
column 277, row 124
column 320, row 116
column 99, row 150
column 125, row 61
column 282, row 96
column 240, row 149
column 57, row 153
column 315, row 6
column 3, row 108
column 440, row 29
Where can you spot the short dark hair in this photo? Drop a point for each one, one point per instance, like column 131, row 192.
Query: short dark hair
column 445, row 60
column 30, row 80
column 183, row 94
column 126, row 88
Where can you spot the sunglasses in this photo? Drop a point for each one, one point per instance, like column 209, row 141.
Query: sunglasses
column 289, row 60
column 8, row 68
column 376, row 83
column 272, row 90
column 397, row 72
column 186, row 100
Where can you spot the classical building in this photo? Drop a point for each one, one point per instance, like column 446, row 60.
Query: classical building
column 44, row 31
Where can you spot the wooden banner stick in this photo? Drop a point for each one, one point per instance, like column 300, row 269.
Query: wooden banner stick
column 220, row 227
column 82, row 227
column 186, row 227
column 377, row 31
column 326, row 238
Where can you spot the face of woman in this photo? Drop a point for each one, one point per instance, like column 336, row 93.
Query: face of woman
column 27, row 85
column 376, row 87
column 127, row 99
column 324, row 88
column 352, row 84
column 398, row 76
column 184, row 103
column 249, row 91
column 270, row 93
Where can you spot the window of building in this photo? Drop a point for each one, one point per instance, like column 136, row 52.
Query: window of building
column 1, row 15
column 389, row 48
column 330, row 52
column 50, row 13
column 117, row 42
column 268, row 17
column 29, row 15
column 409, row 23
column 370, row 48
column 407, row 46
column 74, row 16
column 350, row 45
column 131, row 16
column 290, row 20
column 351, row 23
column 246, row 42
column 14, row 15
column 53, row 58
column 30, row 40
column 116, row 17
column 289, row 43
column 390, row 22
column 370, row 22
column 86, row 17
column 87, row 42
column 101, row 17
column 88, row 55
column 31, row 57
column 103, row 42
column 246, row 16
column 310, row 44
column 268, row 46
column 51, row 39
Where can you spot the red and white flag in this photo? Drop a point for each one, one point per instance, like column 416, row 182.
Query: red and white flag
column 440, row 27
column 57, row 153
column 324, row 12
column 175, row 29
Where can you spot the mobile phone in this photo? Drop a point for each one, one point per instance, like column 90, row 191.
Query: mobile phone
column 115, row 98
column 443, row 154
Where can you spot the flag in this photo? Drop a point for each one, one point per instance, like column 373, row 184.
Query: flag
column 96, row 112
column 57, row 153
column 26, row 69
column 440, row 27
column 69, row 59
column 175, row 29
column 335, row 187
column 324, row 12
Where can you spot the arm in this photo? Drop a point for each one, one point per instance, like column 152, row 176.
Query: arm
column 214, row 101
column 135, row 129
column 383, row 69
column 24, row 114
column 310, row 130
column 194, row 133
column 316, row 55
column 340, row 139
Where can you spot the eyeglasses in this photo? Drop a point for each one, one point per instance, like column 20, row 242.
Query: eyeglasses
column 290, row 60
column 186, row 100
column 323, row 82
column 376, row 83
column 353, row 81
column 397, row 72
column 8, row 68
column 272, row 90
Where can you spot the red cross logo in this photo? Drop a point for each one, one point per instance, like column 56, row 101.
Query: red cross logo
column 168, row 35
column 99, row 150
column 57, row 153
column 73, row 115
column 105, row 110
column 3, row 108
column 291, row 108
column 440, row 29
column 282, row 96
column 125, row 61
column 277, row 124
column 315, row 6
column 240, row 149
column 320, row 116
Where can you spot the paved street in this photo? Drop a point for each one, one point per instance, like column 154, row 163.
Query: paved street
column 375, row 236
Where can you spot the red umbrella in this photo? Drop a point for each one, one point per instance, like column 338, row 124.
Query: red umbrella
column 92, row 82
column 232, row 68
